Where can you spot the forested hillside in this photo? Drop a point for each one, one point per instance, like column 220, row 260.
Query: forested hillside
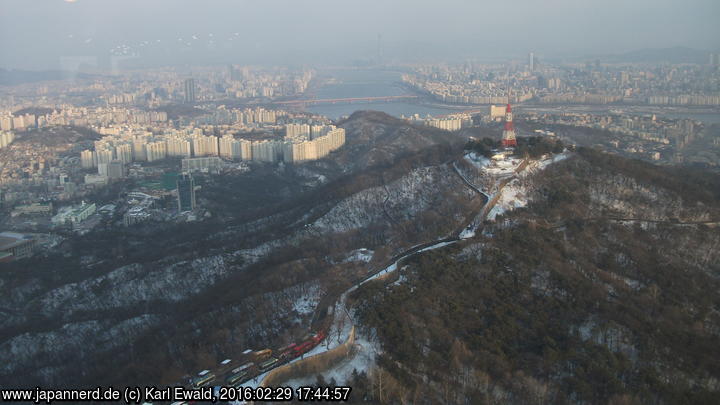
column 603, row 290
column 183, row 297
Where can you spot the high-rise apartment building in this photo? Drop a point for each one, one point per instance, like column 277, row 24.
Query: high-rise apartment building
column 178, row 147
column 205, row 145
column 299, row 149
column 229, row 147
column 295, row 130
column 156, row 151
column 139, row 148
column 124, row 153
column 88, row 159
column 246, row 149
column 6, row 138
column 105, row 155
column 267, row 151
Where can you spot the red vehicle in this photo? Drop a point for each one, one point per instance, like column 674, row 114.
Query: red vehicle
column 309, row 343
column 301, row 348
column 319, row 337
column 286, row 352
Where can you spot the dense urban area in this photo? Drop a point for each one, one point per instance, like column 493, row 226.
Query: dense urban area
column 134, row 134
column 534, row 230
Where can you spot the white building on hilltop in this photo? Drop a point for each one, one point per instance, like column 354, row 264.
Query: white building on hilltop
column 73, row 215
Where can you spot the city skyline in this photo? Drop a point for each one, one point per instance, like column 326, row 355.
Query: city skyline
column 57, row 34
column 378, row 202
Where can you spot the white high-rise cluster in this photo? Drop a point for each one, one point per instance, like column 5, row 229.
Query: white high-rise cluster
column 178, row 146
column 232, row 148
column 452, row 122
column 296, row 130
column 205, row 145
column 305, row 142
column 6, row 138
column 448, row 123
column 9, row 121
column 267, row 150
column 315, row 144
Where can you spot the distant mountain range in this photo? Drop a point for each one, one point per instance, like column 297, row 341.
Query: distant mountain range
column 15, row 77
column 678, row 54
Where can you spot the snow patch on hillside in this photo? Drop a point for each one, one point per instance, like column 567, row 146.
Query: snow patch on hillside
column 400, row 200
column 541, row 164
column 513, row 195
column 132, row 284
column 306, row 304
column 467, row 233
column 516, row 193
column 503, row 168
column 615, row 337
column 359, row 255
column 476, row 160
column 362, row 359
column 401, row 279
column 70, row 341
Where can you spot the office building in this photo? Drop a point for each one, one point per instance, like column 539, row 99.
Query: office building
column 103, row 169
column 211, row 163
column 115, row 170
column 190, row 90
column 73, row 215
column 33, row 209
column 96, row 179
column 186, row 192
column 531, row 61
column 15, row 246
column 497, row 111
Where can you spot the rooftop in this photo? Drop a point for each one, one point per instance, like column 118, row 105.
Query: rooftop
column 9, row 240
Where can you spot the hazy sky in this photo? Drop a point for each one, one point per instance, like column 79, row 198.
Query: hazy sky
column 49, row 34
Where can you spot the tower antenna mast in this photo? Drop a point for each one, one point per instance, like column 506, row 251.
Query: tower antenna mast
column 508, row 137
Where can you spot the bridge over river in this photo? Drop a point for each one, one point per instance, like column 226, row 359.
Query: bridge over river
column 352, row 100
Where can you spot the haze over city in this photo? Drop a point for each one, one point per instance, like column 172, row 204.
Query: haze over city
column 370, row 202
column 54, row 34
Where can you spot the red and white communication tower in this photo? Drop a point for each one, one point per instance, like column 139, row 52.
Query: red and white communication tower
column 508, row 137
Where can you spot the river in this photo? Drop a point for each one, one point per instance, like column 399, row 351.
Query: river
column 351, row 83
column 367, row 83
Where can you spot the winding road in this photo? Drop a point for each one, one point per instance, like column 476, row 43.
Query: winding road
column 342, row 321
